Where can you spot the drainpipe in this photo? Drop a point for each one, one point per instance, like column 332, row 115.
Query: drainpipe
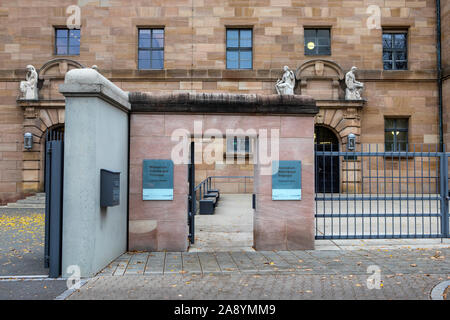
column 439, row 73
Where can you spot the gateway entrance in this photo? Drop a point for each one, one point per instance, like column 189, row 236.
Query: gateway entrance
column 221, row 209
column 162, row 128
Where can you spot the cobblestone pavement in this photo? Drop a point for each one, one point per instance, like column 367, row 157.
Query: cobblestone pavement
column 405, row 274
column 22, row 243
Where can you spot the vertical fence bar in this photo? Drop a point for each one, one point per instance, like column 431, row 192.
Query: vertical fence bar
column 429, row 188
column 370, row 194
column 400, row 187
column 378, row 195
column 422, row 195
column 384, row 195
column 407, row 191
column 444, row 195
column 331, row 189
column 415, row 194
column 437, row 181
column 324, row 190
column 362, row 190
column 316, row 181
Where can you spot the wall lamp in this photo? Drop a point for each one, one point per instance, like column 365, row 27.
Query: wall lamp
column 28, row 141
column 351, row 142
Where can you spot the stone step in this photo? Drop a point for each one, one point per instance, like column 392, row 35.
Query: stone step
column 36, row 201
column 26, row 205
column 31, row 201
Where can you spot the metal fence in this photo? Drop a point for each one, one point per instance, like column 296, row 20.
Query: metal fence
column 374, row 194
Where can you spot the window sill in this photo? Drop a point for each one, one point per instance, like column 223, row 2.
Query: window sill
column 238, row 155
column 66, row 55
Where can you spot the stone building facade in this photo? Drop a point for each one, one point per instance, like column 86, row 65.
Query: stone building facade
column 195, row 61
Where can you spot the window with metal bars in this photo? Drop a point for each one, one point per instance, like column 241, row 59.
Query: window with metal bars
column 395, row 50
column 239, row 49
column 151, row 49
column 67, row 42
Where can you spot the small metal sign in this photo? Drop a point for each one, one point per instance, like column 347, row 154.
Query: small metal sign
column 286, row 180
column 157, row 179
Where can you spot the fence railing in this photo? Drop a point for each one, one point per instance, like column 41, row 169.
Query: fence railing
column 372, row 194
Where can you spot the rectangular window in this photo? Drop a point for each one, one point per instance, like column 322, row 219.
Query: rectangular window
column 151, row 49
column 396, row 134
column 317, row 42
column 239, row 49
column 67, row 42
column 239, row 145
column 395, row 50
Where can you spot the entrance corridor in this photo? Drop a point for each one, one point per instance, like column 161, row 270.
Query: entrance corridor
column 230, row 228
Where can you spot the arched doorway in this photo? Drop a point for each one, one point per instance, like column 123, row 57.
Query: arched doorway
column 327, row 167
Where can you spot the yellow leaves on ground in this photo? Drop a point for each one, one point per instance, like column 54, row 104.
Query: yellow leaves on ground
column 21, row 233
column 22, row 223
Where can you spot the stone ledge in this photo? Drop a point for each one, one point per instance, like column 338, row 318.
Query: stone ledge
column 222, row 103
column 234, row 75
column 42, row 104
column 340, row 104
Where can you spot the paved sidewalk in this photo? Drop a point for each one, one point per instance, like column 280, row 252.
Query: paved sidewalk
column 418, row 261
column 230, row 228
column 405, row 274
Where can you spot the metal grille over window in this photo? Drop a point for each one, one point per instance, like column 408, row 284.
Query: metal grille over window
column 151, row 49
column 239, row 49
column 317, row 42
column 395, row 51
column 68, row 42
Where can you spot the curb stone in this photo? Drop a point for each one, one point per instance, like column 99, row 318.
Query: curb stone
column 437, row 293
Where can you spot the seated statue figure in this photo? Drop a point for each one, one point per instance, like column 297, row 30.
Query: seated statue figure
column 285, row 85
column 354, row 88
column 29, row 86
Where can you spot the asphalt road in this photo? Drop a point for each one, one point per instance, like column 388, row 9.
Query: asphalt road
column 22, row 254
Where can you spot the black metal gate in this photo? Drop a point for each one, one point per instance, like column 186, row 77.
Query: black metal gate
column 385, row 194
column 54, row 171
column 191, row 198
column 327, row 168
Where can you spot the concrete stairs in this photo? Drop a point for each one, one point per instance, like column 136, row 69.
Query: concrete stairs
column 33, row 202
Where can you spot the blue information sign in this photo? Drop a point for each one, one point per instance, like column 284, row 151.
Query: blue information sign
column 157, row 180
column 286, row 180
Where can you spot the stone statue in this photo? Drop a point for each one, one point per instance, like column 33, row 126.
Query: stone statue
column 285, row 85
column 29, row 87
column 354, row 88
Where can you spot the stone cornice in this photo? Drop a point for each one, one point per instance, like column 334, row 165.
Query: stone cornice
column 42, row 104
column 340, row 104
column 269, row 75
column 222, row 103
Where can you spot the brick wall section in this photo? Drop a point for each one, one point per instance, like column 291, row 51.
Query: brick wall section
column 11, row 137
column 195, row 55
column 161, row 225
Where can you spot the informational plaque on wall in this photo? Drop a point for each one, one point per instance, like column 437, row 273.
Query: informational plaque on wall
column 286, row 180
column 157, row 180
